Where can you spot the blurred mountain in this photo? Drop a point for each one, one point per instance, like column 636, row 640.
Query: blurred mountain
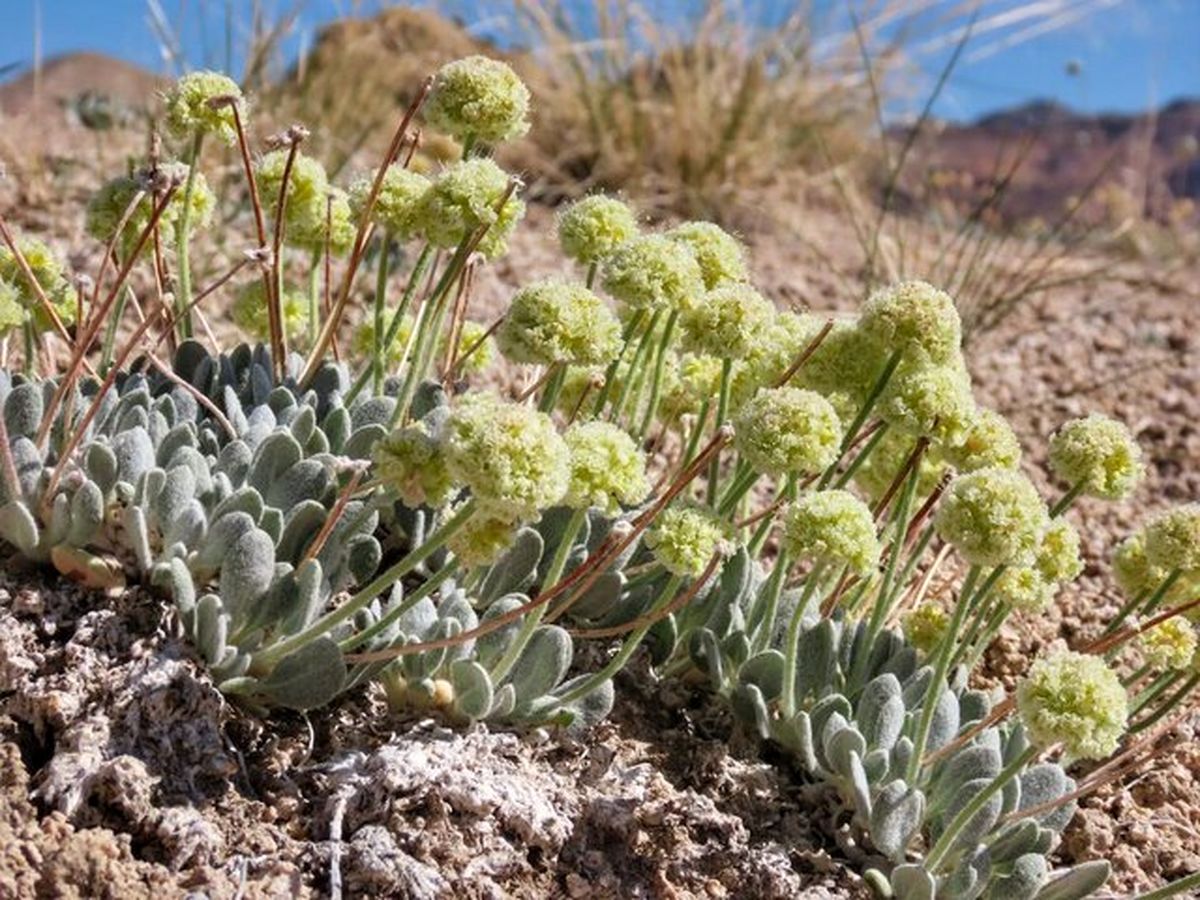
column 1149, row 164
column 80, row 82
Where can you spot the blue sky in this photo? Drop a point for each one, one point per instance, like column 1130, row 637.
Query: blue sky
column 1127, row 54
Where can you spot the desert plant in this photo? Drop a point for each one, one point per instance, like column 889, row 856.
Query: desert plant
column 321, row 523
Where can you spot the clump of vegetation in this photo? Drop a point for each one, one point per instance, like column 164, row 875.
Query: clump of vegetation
column 321, row 524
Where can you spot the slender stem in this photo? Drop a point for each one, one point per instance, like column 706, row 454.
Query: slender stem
column 862, row 455
column 593, row 268
column 660, row 361
column 265, row 658
column 791, row 648
column 380, row 296
column 553, row 387
column 610, row 374
column 714, row 467
column 1170, row 703
column 940, row 669
column 533, row 620
column 1065, row 501
column 628, row 646
column 632, row 383
column 947, row 838
column 1174, row 889
column 407, row 603
column 183, row 292
column 860, row 419
column 1150, row 602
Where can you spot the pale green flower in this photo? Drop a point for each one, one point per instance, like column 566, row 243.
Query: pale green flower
column 592, row 228
column 510, row 456
column 313, row 208
column 728, row 322
column 412, row 463
column 1171, row 644
column 477, row 97
column 846, row 362
column 925, row 627
column 47, row 272
column 688, row 381
column 474, row 335
column 914, row 318
column 482, row 539
column 1136, row 576
column 684, row 538
column 1173, row 539
column 788, row 431
column 834, row 527
column 653, row 272
column 190, row 110
column 12, row 313
column 721, row 256
column 989, row 442
column 1058, row 557
column 929, row 401
column 553, row 321
column 249, row 310
column 769, row 358
column 109, row 204
column 1022, row 588
column 1098, row 453
column 608, row 470
column 993, row 517
column 397, row 205
column 1076, row 700
column 466, row 197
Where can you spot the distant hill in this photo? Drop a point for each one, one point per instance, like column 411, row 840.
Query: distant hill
column 1150, row 160
column 64, row 79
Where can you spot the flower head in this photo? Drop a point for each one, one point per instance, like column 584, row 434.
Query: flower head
column 1099, row 454
column 1022, row 588
column 397, row 205
column 1058, row 556
column 914, row 318
column 929, row 401
column 653, row 272
column 832, row 526
column 993, row 517
column 1173, row 539
column 592, row 228
column 465, row 197
column 475, row 340
column 770, row 358
column 477, row 97
column 249, row 310
column 1073, row 699
column 482, row 539
column 191, row 109
column 788, row 431
column 109, row 204
column 1136, row 576
column 684, row 538
column 721, row 256
column 989, row 442
column 313, row 209
column 688, row 381
column 607, row 469
column 411, row 462
column 559, row 322
column 47, row 271
column 1171, row 644
column 846, row 361
column 926, row 626
column 12, row 313
column 731, row 320
column 510, row 456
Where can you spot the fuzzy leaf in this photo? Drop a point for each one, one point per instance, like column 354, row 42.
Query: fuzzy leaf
column 275, row 455
column 815, row 658
column 1077, row 882
column 362, row 441
column 337, row 428
column 969, row 877
column 514, row 571
column 301, row 524
column 306, row 480
column 880, row 713
column 749, row 706
column 895, row 817
column 308, row 678
column 974, row 762
column 912, row 882
column 1027, row 877
column 18, row 527
column 590, row 709
column 23, row 409
column 100, row 463
column 765, row 672
column 247, row 571
column 945, row 721
column 797, row 735
column 980, row 823
column 137, row 536
column 134, row 453
column 473, row 693
column 542, row 664
column 1014, row 840
column 212, row 627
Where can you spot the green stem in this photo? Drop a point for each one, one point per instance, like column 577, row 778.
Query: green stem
column 714, row 468
column 270, row 655
column 553, row 387
column 660, row 361
column 381, row 278
column 402, row 607
column 1174, row 889
column 314, row 293
column 1065, row 501
column 947, row 838
column 860, row 419
column 938, row 682
column 183, row 292
column 1166, row 707
column 627, row 648
column 593, row 268
column 861, row 456
column 534, row 618
column 632, row 385
column 110, row 331
column 791, row 648
column 610, row 374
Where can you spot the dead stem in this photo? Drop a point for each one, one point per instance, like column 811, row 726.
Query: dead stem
column 334, row 514
column 653, row 618
column 805, row 354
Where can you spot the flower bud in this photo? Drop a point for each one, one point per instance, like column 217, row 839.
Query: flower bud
column 482, row 539
column 1098, row 453
column 993, row 517
column 48, row 273
column 728, row 322
column 721, row 256
column 249, row 310
column 477, row 97
column 397, row 205
column 1173, row 539
column 411, row 462
column 684, row 538
column 592, row 228
column 607, row 469
column 552, row 322
column 191, row 109
column 788, row 431
column 653, row 272
column 1058, row 556
column 989, row 442
column 914, row 318
column 929, row 401
column 925, row 627
column 466, row 197
column 1169, row 645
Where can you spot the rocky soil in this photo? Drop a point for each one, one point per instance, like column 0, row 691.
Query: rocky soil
column 125, row 774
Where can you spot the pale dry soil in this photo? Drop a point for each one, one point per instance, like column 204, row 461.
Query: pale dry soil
column 126, row 774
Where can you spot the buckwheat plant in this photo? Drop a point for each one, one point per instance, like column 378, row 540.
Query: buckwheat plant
column 810, row 517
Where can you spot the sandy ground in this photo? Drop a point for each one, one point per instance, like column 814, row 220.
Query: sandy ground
column 125, row 774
